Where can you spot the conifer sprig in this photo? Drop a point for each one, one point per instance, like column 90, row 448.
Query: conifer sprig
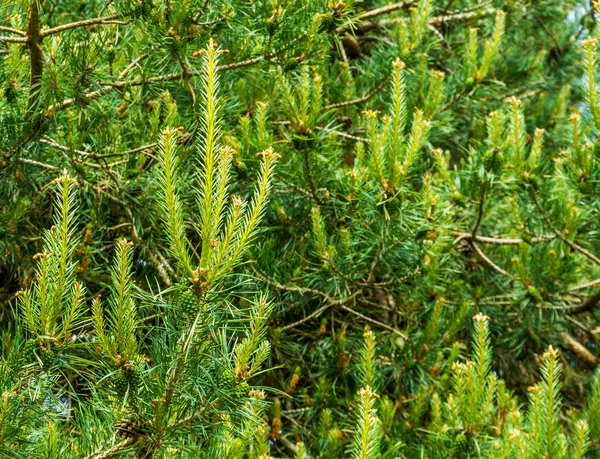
column 171, row 204
column 492, row 46
column 116, row 327
column 367, row 366
column 53, row 306
column 227, row 223
column 367, row 438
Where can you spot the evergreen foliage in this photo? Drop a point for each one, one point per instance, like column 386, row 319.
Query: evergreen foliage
column 271, row 228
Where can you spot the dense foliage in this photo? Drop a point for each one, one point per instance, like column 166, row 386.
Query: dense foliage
column 284, row 228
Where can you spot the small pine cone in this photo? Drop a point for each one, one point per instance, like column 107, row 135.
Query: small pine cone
column 10, row 93
column 227, row 379
column 493, row 160
column 48, row 357
column 459, row 199
column 461, row 443
column 132, row 376
column 272, row 25
column 534, row 294
column 242, row 389
column 189, row 304
column 532, row 180
column 146, row 8
column 30, row 351
column 121, row 383
column 328, row 23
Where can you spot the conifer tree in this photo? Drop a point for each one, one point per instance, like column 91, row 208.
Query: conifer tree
column 271, row 228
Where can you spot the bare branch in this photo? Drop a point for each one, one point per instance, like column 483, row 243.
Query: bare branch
column 433, row 22
column 87, row 22
column 38, row 163
column 362, row 99
column 561, row 235
column 480, row 209
column 13, row 39
column 489, row 261
column 498, row 241
column 459, row 17
column 374, row 322
column 590, row 304
column 314, row 314
column 373, row 14
column 11, row 30
column 343, row 134
column 112, row 451
column 131, row 66
column 241, row 64
column 585, row 286
column 580, row 350
column 121, row 84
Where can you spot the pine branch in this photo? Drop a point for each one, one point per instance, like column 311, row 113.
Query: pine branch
column 585, row 286
column 432, row 22
column 120, row 84
column 383, row 10
column 461, row 17
column 366, row 444
column 171, row 203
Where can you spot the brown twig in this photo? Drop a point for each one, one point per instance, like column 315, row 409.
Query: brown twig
column 312, row 315
column 590, row 304
column 580, row 350
column 458, row 17
column 433, row 22
column 87, row 22
column 13, row 39
column 374, row 322
column 11, row 30
column 38, row 163
column 498, row 240
column 343, row 134
column 121, row 84
column 585, row 286
column 288, row 288
column 112, row 451
column 480, row 209
column 374, row 13
column 329, row 302
column 143, row 149
column 488, row 260
column 561, row 235
column 362, row 99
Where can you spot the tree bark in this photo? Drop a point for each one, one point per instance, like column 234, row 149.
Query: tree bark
column 36, row 55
